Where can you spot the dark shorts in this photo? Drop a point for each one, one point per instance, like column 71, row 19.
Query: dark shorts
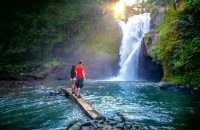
column 79, row 82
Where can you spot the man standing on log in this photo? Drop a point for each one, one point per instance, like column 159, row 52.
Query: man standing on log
column 80, row 69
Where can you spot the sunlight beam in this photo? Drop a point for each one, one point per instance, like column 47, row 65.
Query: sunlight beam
column 119, row 8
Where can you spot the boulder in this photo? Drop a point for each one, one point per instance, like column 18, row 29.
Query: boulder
column 87, row 123
column 73, row 122
column 165, row 85
column 85, row 128
column 117, row 119
column 120, row 125
column 101, row 121
column 112, row 122
column 76, row 126
column 100, row 118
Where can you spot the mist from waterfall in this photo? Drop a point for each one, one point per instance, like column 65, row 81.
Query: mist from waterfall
column 133, row 33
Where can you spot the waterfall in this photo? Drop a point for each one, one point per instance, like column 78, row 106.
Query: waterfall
column 133, row 33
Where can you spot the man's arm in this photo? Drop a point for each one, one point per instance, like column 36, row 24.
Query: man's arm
column 83, row 72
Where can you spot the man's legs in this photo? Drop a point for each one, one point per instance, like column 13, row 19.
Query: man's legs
column 79, row 86
column 78, row 91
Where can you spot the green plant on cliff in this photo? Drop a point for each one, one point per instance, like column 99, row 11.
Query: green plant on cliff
column 179, row 43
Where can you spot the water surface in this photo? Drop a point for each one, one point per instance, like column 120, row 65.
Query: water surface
column 143, row 102
column 34, row 108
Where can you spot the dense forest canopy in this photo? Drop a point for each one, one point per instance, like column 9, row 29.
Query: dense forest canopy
column 54, row 31
column 33, row 28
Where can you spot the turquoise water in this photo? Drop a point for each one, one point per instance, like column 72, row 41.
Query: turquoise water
column 34, row 108
column 143, row 102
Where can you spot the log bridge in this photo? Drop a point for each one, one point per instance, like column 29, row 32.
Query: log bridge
column 85, row 106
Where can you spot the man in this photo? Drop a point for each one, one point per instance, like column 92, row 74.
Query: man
column 80, row 74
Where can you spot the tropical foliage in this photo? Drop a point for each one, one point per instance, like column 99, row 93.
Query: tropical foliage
column 179, row 43
column 39, row 31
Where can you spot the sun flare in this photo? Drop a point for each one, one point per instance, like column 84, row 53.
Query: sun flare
column 119, row 8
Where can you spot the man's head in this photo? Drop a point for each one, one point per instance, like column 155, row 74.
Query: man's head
column 80, row 62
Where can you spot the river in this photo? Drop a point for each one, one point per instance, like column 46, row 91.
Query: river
column 143, row 102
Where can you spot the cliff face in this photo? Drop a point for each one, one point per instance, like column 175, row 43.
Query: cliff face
column 148, row 69
column 158, row 8
column 174, row 40
column 149, row 66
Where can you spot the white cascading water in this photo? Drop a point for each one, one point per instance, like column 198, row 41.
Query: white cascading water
column 133, row 33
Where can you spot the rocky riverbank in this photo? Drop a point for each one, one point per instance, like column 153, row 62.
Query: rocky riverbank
column 117, row 122
column 7, row 86
column 194, row 90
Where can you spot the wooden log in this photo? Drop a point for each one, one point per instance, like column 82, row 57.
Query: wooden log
column 85, row 106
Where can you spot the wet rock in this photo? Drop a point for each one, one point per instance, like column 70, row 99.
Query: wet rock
column 99, row 129
column 100, row 121
column 128, row 123
column 195, row 91
column 73, row 122
column 135, row 127
column 87, row 123
column 121, row 116
column 95, row 121
column 16, row 84
column 109, row 119
column 165, row 85
column 118, row 128
column 128, row 126
column 99, row 125
column 100, row 118
column 93, row 125
column 85, row 128
column 117, row 119
column 152, row 128
column 120, row 125
column 107, row 127
column 112, row 122
column 180, row 88
column 183, row 88
column 76, row 126
column 55, row 93
column 144, row 128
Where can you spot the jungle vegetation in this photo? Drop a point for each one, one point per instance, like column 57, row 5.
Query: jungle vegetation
column 179, row 43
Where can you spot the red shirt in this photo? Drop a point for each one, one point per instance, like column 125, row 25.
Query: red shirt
column 79, row 70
